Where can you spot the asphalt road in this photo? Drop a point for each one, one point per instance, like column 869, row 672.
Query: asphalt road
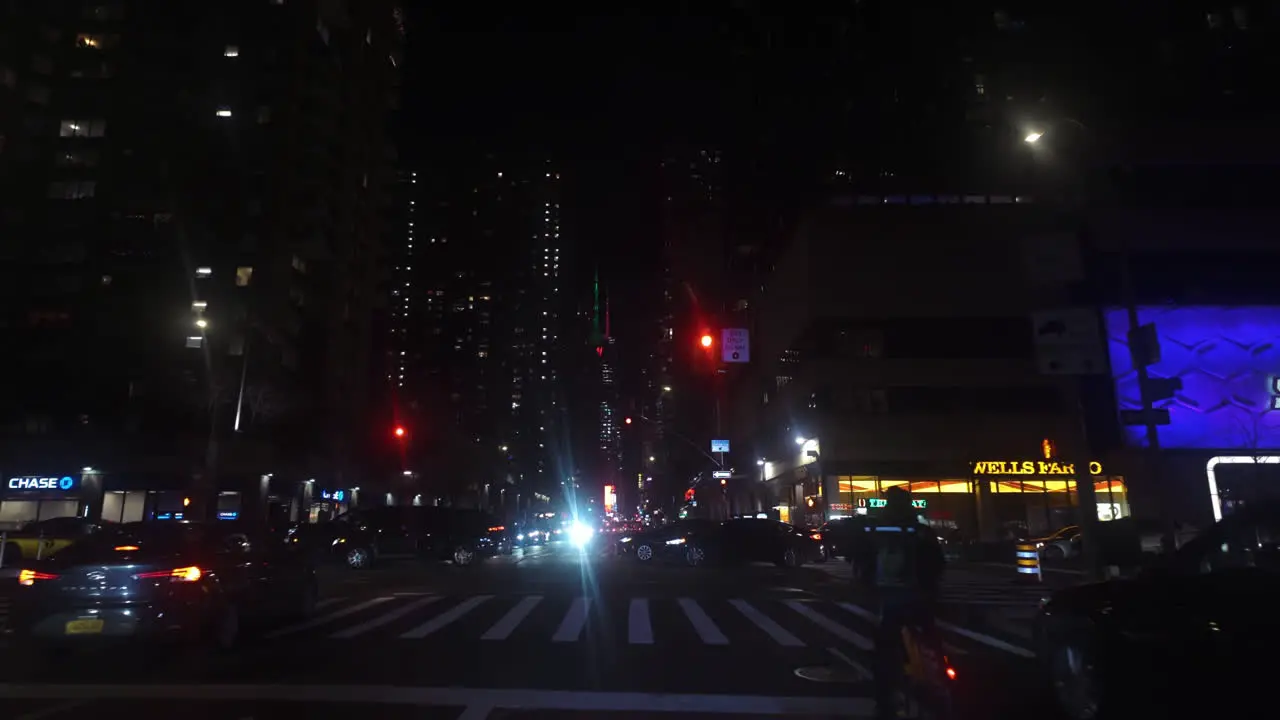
column 547, row 632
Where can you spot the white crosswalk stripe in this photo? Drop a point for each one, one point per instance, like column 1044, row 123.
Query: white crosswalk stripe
column 574, row 621
column 445, row 618
column 324, row 619
column 639, row 629
column 502, row 629
column 386, row 618
column 645, row 621
column 702, row 623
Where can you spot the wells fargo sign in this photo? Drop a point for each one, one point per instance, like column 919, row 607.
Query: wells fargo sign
column 1030, row 467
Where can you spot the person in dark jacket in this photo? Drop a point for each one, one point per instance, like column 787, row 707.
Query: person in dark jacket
column 907, row 573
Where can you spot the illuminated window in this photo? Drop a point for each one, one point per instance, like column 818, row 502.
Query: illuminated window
column 92, row 42
column 223, row 112
column 204, row 272
column 243, row 275
column 231, row 51
column 195, row 341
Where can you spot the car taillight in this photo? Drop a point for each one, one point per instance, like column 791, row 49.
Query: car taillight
column 497, row 528
column 29, row 577
column 815, row 536
column 182, row 574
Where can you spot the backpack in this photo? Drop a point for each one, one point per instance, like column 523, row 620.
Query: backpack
column 896, row 551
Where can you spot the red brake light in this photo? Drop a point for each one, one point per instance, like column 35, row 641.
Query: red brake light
column 29, row 577
column 815, row 536
column 126, row 548
column 182, row 574
column 951, row 673
column 497, row 528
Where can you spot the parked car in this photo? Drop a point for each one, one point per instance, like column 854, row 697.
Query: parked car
column 194, row 582
column 1059, row 545
column 361, row 537
column 1201, row 621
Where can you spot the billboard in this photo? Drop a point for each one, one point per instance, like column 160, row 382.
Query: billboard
column 1228, row 359
column 610, row 498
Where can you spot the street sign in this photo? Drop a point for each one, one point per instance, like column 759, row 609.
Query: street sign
column 719, row 446
column 735, row 345
column 1160, row 416
column 717, row 474
column 1069, row 342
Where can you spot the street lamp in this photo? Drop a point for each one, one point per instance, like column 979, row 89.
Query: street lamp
column 1033, row 137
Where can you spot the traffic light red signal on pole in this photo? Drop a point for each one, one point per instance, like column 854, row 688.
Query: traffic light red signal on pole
column 399, row 432
column 706, row 341
column 627, row 421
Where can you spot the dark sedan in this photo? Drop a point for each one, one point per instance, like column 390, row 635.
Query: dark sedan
column 1201, row 625
column 158, row 581
column 361, row 537
column 667, row 543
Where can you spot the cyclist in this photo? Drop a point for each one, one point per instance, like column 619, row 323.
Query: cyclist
column 908, row 568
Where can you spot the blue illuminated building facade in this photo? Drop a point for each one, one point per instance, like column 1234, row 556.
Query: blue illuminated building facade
column 1223, row 437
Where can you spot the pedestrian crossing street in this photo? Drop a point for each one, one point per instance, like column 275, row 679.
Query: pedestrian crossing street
column 564, row 621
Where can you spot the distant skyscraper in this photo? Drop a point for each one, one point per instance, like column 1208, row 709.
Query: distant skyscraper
column 474, row 361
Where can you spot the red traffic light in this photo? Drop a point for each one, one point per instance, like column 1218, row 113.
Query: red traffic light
column 399, row 431
column 707, row 341
column 627, row 421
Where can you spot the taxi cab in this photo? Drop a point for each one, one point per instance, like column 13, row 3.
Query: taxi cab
column 42, row 538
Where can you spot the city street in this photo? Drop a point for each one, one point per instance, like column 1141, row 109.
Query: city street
column 546, row 630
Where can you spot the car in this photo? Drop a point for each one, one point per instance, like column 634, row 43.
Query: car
column 1201, row 619
column 181, row 581
column 666, row 543
column 361, row 537
column 42, row 538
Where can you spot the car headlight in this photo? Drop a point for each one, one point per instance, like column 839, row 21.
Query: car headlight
column 677, row 541
column 624, row 539
column 520, row 536
column 580, row 534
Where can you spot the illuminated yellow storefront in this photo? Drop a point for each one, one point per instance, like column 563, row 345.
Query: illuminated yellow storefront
column 1001, row 496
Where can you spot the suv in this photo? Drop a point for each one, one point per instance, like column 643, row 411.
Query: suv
column 363, row 536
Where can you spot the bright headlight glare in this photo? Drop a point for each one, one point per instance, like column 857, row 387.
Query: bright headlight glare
column 677, row 541
column 580, row 533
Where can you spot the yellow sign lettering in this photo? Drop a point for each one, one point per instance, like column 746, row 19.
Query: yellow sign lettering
column 1030, row 467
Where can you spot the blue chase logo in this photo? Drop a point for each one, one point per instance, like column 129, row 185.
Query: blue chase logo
column 64, row 483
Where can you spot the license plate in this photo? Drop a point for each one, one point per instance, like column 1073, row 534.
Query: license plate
column 91, row 626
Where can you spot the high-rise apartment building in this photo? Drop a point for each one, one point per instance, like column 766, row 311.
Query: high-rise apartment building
column 190, row 201
column 473, row 352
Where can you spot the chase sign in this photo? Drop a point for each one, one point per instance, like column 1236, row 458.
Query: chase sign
column 65, row 483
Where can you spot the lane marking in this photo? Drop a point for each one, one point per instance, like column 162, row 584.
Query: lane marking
column 639, row 629
column 987, row 640
column 971, row 634
column 830, row 625
column 502, row 629
column 553, row 700
column 444, row 618
column 384, row 619
column 323, row 619
column 858, row 667
column 767, row 624
column 574, row 621
column 702, row 623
